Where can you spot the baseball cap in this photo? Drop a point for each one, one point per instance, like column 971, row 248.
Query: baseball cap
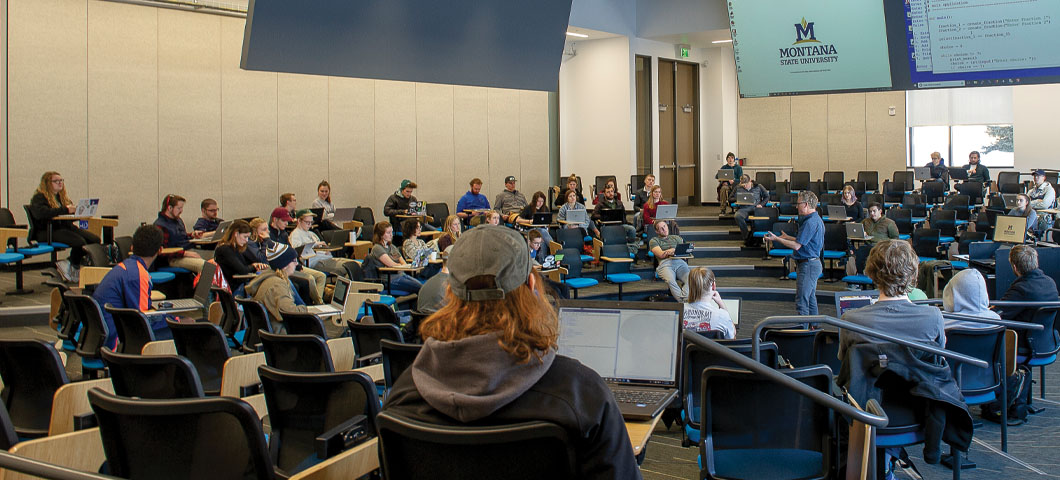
column 488, row 250
column 303, row 212
column 1039, row 172
column 509, row 179
column 282, row 214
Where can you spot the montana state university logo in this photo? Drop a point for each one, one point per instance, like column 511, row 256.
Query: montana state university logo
column 802, row 54
column 804, row 32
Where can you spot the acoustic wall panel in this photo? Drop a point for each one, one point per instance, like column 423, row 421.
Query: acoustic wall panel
column 302, row 134
column 123, row 109
column 846, row 133
column 885, row 133
column 765, row 130
column 809, row 134
column 533, row 141
column 249, row 171
column 471, row 142
column 502, row 120
column 47, row 97
column 351, row 142
column 395, row 139
column 435, row 158
column 189, row 108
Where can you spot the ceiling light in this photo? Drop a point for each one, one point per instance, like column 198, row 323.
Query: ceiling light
column 722, row 41
column 579, row 35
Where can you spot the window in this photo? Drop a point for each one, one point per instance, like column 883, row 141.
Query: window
column 993, row 142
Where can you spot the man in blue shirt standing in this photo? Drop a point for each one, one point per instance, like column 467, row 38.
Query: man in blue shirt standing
column 807, row 246
column 472, row 200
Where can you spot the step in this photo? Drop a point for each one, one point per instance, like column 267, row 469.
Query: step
column 707, row 235
column 704, row 221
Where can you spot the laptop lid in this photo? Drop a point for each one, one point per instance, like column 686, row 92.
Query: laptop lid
column 220, row 231
column 837, row 211
column 1010, row 229
column 576, row 216
column 1010, row 199
column 343, row 215
column 922, row 173
column 958, row 173
column 726, row 174
column 855, row 230
column 87, row 207
column 666, row 212
column 850, row 300
column 732, row 305
column 982, row 250
column 634, row 343
column 342, row 290
column 683, row 249
column 612, row 214
column 542, row 218
column 745, row 198
column 202, row 289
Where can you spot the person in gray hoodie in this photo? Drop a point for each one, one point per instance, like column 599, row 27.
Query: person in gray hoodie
column 966, row 293
column 489, row 358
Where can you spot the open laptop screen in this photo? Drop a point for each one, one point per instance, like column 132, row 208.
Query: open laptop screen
column 623, row 342
column 848, row 300
column 342, row 288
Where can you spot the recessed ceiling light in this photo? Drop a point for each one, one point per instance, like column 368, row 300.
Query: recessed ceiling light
column 580, row 35
column 722, row 41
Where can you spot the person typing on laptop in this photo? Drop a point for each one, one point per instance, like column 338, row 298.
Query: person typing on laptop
column 877, row 226
column 175, row 235
column 128, row 284
column 609, row 200
column 274, row 289
column 49, row 201
column 234, row 258
column 573, row 205
column 760, row 195
column 321, row 259
column 489, row 357
column 209, row 221
column 536, row 206
column 673, row 271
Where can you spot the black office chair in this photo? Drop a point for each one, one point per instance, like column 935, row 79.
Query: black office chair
column 767, row 180
column 974, row 191
column 945, row 221
column 835, row 245
column 134, row 330
column 905, row 179
column 367, row 217
column 231, row 320
column 827, row 199
column 794, row 344
column 870, row 198
column 799, row 181
column 915, row 202
column 97, row 257
column 439, row 212
column 124, row 245
column 696, row 359
column 93, row 335
column 980, row 385
column 32, row 371
column 826, row 349
column 792, row 434
column 833, row 180
column 926, row 243
column 1008, row 178
column 893, row 192
column 152, row 438
column 257, row 318
column 903, row 219
column 871, row 179
column 397, row 357
column 960, row 204
column 613, row 235
column 381, row 313
column 297, row 353
column 1039, row 348
column 205, row 345
column 366, row 338
column 8, row 437
column 572, row 261
column 934, row 192
column 409, row 449
column 298, row 323
column 152, row 376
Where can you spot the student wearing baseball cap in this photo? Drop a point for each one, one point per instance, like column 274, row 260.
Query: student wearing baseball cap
column 510, row 200
column 489, row 357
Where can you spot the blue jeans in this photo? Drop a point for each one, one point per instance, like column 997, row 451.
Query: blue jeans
column 741, row 219
column 674, row 272
column 807, row 272
column 544, row 235
column 405, row 282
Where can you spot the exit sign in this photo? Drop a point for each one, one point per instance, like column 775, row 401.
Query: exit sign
column 685, row 51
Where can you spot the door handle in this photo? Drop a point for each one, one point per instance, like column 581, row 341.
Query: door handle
column 687, row 166
column 667, row 166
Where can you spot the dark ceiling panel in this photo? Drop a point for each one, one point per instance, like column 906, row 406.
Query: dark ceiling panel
column 493, row 43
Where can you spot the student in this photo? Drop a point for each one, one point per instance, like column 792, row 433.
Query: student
column 385, row 254
column 526, row 217
column 411, row 230
column 278, row 225
column 640, row 197
column 49, row 201
column 321, row 259
column 510, row 200
column 472, row 200
column 761, row 197
column 725, row 186
column 276, row 232
column 939, row 171
column 673, row 271
column 609, row 201
column 877, row 226
column 705, row 310
column 1042, row 196
column 493, row 217
column 289, row 202
column 128, row 284
column 489, row 358
column 600, row 195
column 451, row 231
column 536, row 242
column 849, row 200
column 1031, row 284
column 965, row 293
column 807, row 256
column 1023, row 209
column 652, row 206
column 234, row 258
column 977, row 172
column 323, row 200
column 274, row 288
column 175, row 235
column 892, row 266
column 398, row 202
column 432, row 295
column 209, row 221
column 572, row 185
column 571, row 205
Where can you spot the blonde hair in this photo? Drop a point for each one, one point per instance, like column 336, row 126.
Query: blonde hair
column 44, row 190
column 700, row 280
column 446, row 229
column 254, row 224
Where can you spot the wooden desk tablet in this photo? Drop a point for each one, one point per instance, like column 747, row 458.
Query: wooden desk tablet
column 432, row 235
column 95, row 224
column 618, row 260
column 361, row 248
column 352, row 225
column 640, row 431
column 564, row 222
column 7, row 233
column 171, row 250
column 425, row 218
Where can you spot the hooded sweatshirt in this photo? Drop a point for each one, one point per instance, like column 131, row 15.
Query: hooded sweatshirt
column 473, row 381
column 277, row 294
column 966, row 293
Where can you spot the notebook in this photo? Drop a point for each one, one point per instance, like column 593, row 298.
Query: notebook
column 666, row 212
column 200, row 298
column 343, row 215
column 745, row 198
column 726, row 174
column 219, row 232
column 848, row 300
column 958, row 173
column 683, row 250
column 922, row 173
column 338, row 299
column 87, row 207
column 634, row 346
column 732, row 305
column 855, row 230
column 576, row 216
column 837, row 211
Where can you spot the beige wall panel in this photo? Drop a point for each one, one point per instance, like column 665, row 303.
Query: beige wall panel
column 885, row 134
column 47, row 103
column 502, row 120
column 809, row 134
column 846, row 133
column 189, row 108
column 435, row 160
column 533, row 142
column 471, row 141
column 123, row 111
column 395, row 139
column 250, row 183
column 351, row 122
column 765, row 130
column 302, row 134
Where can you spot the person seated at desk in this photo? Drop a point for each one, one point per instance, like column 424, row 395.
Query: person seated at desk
column 965, row 293
column 1031, row 284
column 849, row 200
column 725, row 186
column 977, row 172
column 877, row 226
column 274, row 289
column 49, row 201
column 278, row 221
column 175, row 235
column 385, row 254
column 451, row 232
column 609, row 200
column 599, row 197
column 289, row 202
column 1023, row 209
column 472, row 200
column 892, row 266
column 128, row 284
column 705, row 311
column 526, row 217
column 489, row 358
column 652, row 206
column 761, row 197
column 1042, row 196
column 323, row 201
column 209, row 221
column 321, row 259
column 673, row 271
column 398, row 202
column 413, row 244
column 538, row 252
column 561, row 194
column 510, row 200
column 939, row 170
column 493, row 217
column 571, row 205
column 640, row 197
column 235, row 258
column 276, row 232
column 432, row 295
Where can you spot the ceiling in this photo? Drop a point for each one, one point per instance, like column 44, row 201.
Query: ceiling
column 702, row 39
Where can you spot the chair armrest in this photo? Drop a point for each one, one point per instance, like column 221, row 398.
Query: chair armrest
column 345, row 435
column 554, row 247
column 369, row 359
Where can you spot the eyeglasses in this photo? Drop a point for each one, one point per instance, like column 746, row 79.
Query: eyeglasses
column 211, row 210
column 58, row 181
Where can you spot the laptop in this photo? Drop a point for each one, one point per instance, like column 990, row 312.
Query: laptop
column 958, row 173
column 577, row 216
column 612, row 215
column 200, row 298
column 87, row 207
column 744, row 198
column 847, row 300
column 666, row 212
column 726, row 174
column 1010, row 200
column 319, row 212
column 219, row 232
column 634, row 346
column 732, row 305
column 922, row 173
column 1010, row 229
column 982, row 253
column 837, row 211
column 542, row 219
column 683, row 250
column 338, row 299
column 343, row 215
column 855, row 230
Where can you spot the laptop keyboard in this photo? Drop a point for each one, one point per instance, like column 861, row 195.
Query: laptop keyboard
column 647, row 397
column 181, row 303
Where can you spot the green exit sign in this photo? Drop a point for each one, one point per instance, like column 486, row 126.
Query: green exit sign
column 685, row 52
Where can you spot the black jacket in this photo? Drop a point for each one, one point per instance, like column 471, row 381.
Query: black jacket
column 43, row 213
column 233, row 262
column 396, row 205
column 870, row 368
column 1033, row 286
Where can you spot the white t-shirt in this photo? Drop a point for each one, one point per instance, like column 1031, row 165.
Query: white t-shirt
column 706, row 315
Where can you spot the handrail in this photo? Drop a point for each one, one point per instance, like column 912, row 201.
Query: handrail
column 10, row 461
column 930, row 301
column 1013, row 324
column 1014, row 303
column 862, row 330
column 878, row 420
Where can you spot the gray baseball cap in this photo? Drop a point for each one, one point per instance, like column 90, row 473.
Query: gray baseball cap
column 488, row 250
